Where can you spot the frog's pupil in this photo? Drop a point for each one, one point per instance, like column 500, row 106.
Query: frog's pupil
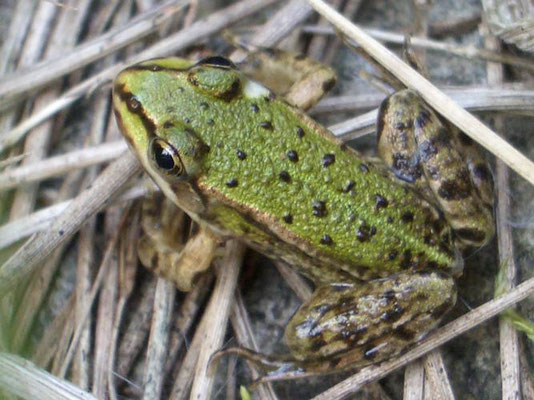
column 163, row 158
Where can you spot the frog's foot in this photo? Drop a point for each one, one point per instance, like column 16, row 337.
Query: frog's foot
column 161, row 248
column 345, row 326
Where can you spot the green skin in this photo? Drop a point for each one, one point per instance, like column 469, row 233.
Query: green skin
column 243, row 162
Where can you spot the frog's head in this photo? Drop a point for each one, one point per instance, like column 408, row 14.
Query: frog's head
column 147, row 101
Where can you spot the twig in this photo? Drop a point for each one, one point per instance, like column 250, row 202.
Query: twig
column 159, row 337
column 24, row 379
column 107, row 307
column 509, row 339
column 243, row 331
column 136, row 331
column 62, row 164
column 414, row 381
column 188, row 36
column 217, row 312
column 46, row 71
column 437, row 378
column 189, row 309
column 40, row 220
column 85, row 205
column 469, row 52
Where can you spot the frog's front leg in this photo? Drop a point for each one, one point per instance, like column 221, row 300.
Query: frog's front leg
column 351, row 325
column 162, row 250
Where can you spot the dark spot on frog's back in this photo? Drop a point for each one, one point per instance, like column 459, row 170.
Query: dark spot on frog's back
column 284, row 176
column 232, row 183
column 293, row 156
column 267, row 125
column 363, row 233
column 328, row 160
column 407, row 217
column 319, row 208
column 327, row 240
column 380, row 202
column 241, row 154
column 349, row 186
column 255, row 108
column 300, row 132
column 288, row 218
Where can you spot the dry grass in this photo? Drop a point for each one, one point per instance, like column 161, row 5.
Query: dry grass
column 111, row 324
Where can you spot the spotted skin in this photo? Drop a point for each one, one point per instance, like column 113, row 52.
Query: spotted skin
column 370, row 330
column 439, row 161
column 244, row 163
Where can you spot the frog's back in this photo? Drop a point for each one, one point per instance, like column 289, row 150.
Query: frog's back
column 287, row 177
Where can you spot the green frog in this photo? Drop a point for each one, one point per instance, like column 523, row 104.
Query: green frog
column 381, row 240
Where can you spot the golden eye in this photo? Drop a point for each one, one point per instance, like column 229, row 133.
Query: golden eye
column 166, row 158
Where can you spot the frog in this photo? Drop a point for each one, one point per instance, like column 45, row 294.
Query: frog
column 381, row 239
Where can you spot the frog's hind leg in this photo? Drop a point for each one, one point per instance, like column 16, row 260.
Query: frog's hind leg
column 440, row 162
column 346, row 326
column 300, row 80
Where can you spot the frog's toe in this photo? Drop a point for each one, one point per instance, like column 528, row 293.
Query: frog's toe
column 276, row 367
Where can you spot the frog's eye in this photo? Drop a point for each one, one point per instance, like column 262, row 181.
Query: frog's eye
column 217, row 61
column 215, row 77
column 166, row 158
